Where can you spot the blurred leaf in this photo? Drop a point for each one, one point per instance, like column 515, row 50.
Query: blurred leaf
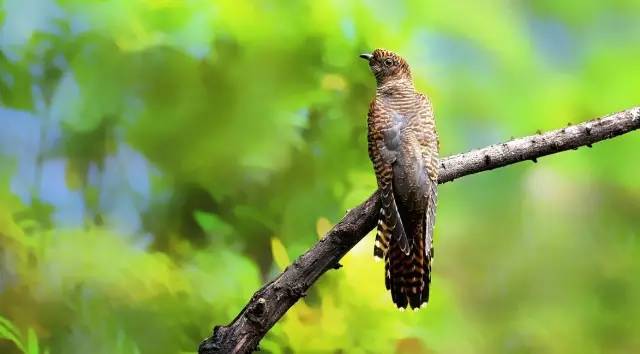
column 211, row 223
column 10, row 332
column 32, row 342
column 323, row 225
column 279, row 253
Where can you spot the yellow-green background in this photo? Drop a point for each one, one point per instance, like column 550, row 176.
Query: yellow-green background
column 161, row 159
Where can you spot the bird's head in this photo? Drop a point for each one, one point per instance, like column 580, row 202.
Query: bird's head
column 387, row 66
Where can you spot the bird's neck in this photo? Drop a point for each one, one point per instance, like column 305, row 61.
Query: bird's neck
column 397, row 87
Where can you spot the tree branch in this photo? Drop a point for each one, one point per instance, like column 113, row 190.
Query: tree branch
column 273, row 300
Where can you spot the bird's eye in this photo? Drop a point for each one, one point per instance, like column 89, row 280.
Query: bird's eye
column 388, row 62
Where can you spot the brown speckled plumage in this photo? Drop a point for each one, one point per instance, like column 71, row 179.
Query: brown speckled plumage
column 403, row 147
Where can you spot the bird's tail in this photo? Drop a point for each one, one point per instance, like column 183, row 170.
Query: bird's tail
column 381, row 246
column 408, row 276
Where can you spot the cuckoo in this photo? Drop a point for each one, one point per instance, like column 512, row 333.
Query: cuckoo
column 403, row 146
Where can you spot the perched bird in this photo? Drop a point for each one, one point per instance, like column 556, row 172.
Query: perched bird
column 403, row 146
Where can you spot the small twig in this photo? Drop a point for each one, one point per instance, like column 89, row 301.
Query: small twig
column 273, row 300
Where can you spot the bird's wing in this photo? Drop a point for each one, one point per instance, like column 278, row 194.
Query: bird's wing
column 424, row 126
column 384, row 148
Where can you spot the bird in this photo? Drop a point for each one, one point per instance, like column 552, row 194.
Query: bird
column 403, row 147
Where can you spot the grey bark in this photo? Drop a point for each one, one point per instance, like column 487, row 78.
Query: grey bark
column 273, row 300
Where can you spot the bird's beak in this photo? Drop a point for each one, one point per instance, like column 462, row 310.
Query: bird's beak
column 366, row 56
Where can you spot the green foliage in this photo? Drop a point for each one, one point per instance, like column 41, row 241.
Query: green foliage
column 9, row 332
column 161, row 159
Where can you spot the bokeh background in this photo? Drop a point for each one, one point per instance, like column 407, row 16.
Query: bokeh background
column 161, row 159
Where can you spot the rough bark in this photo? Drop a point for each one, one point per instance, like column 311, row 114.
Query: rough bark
column 273, row 300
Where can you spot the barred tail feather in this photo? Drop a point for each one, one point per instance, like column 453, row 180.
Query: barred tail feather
column 381, row 245
column 430, row 218
column 396, row 261
column 408, row 276
column 416, row 268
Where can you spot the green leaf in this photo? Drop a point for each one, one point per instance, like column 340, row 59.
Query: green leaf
column 211, row 223
column 9, row 331
column 4, row 322
column 280, row 255
column 32, row 342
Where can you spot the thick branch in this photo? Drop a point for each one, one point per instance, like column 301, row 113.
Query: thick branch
column 273, row 300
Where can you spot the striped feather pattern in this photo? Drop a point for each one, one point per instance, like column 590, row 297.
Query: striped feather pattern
column 403, row 146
